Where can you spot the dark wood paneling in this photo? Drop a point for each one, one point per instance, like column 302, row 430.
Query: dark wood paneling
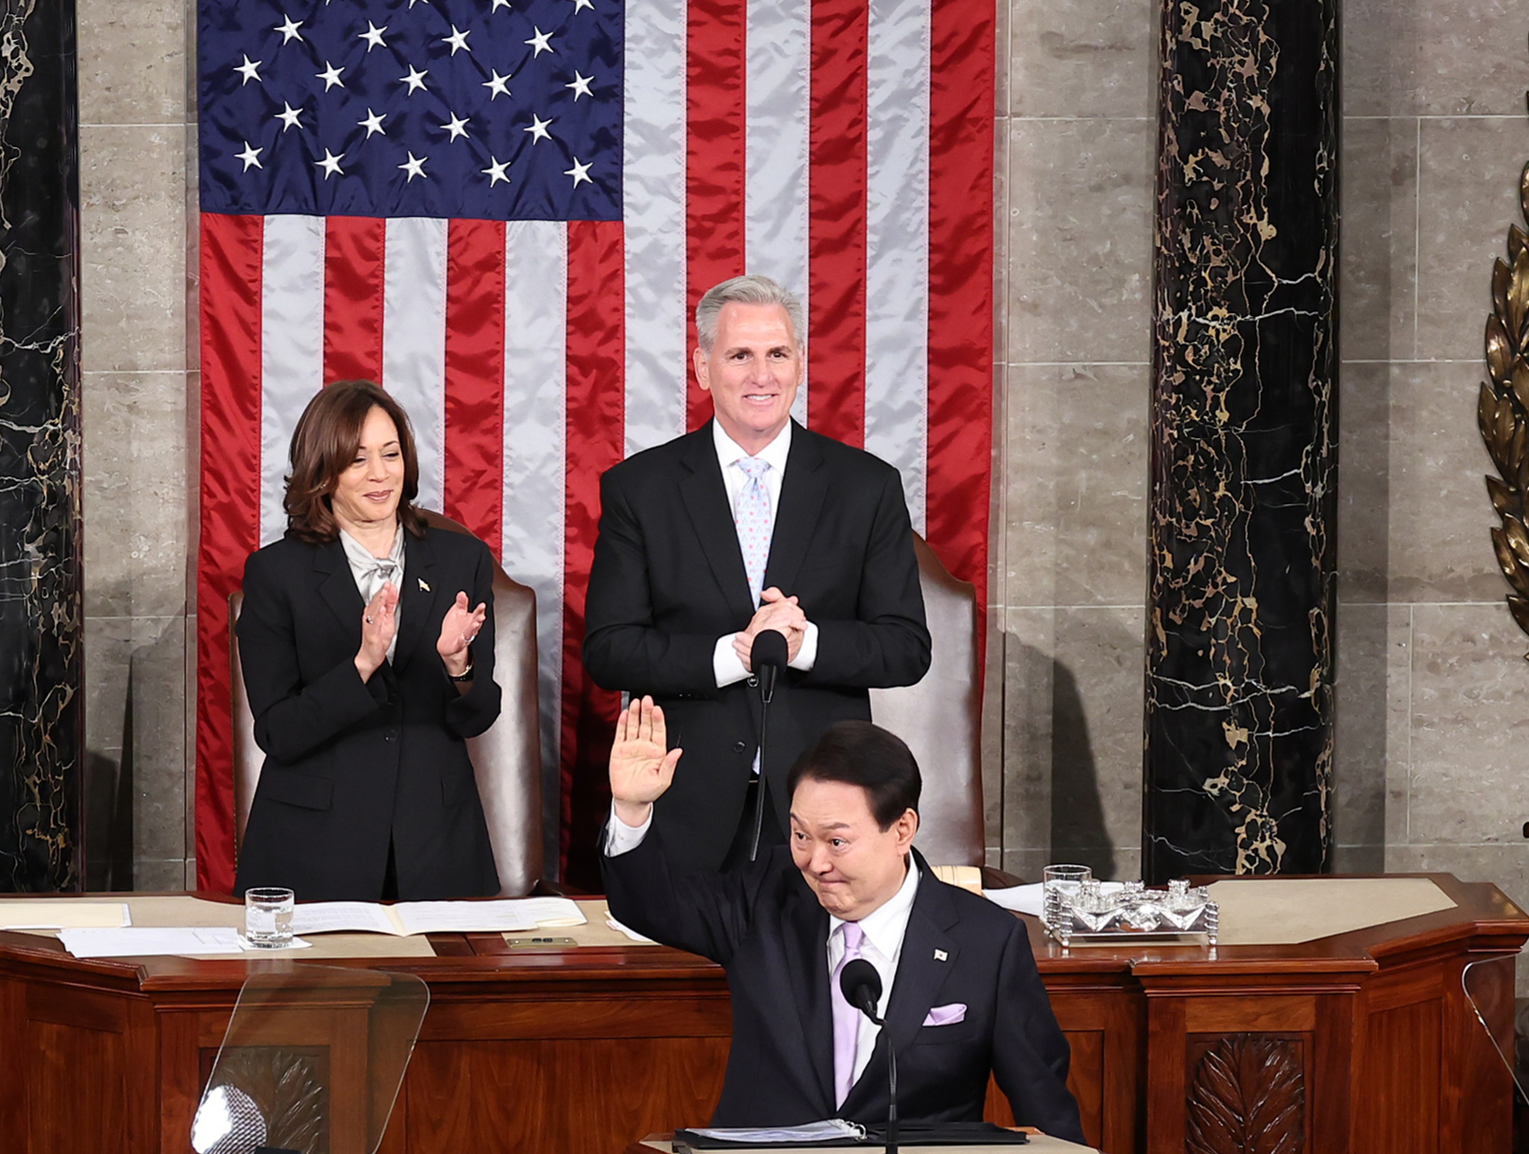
column 581, row 1051
column 591, row 1095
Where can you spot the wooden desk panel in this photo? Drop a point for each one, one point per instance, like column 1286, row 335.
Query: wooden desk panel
column 1358, row 1043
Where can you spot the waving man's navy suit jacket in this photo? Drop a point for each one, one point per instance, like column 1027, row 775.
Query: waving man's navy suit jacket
column 766, row 927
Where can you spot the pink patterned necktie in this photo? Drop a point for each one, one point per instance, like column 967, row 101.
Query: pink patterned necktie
column 753, row 522
column 846, row 1017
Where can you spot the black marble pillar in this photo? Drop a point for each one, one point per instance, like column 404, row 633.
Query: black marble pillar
column 41, row 664
column 1239, row 697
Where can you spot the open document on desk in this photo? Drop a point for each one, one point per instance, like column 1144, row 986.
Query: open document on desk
column 404, row 919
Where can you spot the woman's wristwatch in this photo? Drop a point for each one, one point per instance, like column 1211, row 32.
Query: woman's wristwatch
column 465, row 675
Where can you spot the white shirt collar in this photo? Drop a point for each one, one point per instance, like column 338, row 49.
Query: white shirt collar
column 886, row 925
column 729, row 450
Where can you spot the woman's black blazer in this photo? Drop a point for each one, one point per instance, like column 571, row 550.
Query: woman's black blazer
column 352, row 764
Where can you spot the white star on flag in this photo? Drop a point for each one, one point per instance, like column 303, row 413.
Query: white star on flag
column 289, row 116
column 330, row 164
column 580, row 84
column 331, row 76
column 495, row 171
column 457, row 40
column 538, row 129
column 579, row 172
column 373, row 36
column 372, row 123
column 250, row 156
column 580, row 5
column 457, row 127
column 415, row 80
column 496, row 84
column 414, row 166
column 249, row 70
column 538, row 42
column 289, row 30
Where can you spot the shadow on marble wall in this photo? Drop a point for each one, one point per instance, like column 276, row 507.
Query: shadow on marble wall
column 1078, row 832
column 109, row 810
column 1054, row 797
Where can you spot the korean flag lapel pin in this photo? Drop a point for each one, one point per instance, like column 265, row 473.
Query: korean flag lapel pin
column 423, row 587
column 941, row 956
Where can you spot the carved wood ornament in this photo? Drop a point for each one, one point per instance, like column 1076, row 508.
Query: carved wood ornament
column 288, row 1093
column 1248, row 1096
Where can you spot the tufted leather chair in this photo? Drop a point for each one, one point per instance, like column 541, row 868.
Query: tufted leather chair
column 940, row 719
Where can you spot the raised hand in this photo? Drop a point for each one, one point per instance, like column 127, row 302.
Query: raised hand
column 458, row 628
column 379, row 622
column 780, row 613
column 642, row 765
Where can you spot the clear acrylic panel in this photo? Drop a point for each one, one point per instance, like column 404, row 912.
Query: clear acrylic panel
column 311, row 1062
column 1487, row 987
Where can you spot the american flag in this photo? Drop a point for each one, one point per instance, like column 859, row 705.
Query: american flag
column 505, row 210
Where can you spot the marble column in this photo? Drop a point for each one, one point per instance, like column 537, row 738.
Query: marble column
column 41, row 706
column 1242, row 509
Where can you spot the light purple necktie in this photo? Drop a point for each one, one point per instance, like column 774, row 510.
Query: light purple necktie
column 846, row 1017
column 752, row 518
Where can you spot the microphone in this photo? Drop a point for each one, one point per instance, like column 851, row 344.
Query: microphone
column 861, row 986
column 767, row 657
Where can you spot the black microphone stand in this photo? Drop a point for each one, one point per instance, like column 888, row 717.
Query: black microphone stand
column 765, row 658
column 860, row 984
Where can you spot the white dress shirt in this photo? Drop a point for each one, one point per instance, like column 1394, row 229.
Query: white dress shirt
column 726, row 665
column 884, row 929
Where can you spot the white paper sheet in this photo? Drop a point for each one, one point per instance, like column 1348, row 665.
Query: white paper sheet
column 503, row 916
column 1020, row 899
column 629, row 932
column 150, row 941
column 342, row 917
column 808, row 1132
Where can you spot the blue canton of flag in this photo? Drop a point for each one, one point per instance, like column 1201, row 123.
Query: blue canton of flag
column 486, row 109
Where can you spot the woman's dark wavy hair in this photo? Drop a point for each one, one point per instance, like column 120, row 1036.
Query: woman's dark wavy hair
column 325, row 442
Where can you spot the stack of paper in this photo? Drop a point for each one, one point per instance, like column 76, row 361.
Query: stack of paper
column 406, row 918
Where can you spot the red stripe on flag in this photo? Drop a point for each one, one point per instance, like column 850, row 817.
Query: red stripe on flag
column 353, row 284
column 474, row 465
column 961, row 289
column 715, row 176
column 230, row 513
column 837, row 221
column 596, row 422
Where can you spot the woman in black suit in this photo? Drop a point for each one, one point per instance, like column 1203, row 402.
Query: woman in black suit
column 367, row 670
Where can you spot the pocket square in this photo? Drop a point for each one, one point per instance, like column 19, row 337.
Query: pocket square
column 946, row 1015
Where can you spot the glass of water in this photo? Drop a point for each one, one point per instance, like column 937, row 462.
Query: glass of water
column 268, row 917
column 1059, row 885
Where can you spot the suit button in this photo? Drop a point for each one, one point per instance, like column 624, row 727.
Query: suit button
column 390, row 735
column 739, row 747
column 753, row 683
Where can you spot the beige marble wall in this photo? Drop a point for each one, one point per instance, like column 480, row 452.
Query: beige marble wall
column 1076, row 138
column 137, row 493
column 1432, row 680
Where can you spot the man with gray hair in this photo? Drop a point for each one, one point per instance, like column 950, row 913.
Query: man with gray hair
column 747, row 524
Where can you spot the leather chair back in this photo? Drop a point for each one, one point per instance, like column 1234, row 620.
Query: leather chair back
column 940, row 719
column 506, row 757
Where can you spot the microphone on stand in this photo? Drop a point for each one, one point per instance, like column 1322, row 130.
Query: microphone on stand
column 766, row 658
column 861, row 986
